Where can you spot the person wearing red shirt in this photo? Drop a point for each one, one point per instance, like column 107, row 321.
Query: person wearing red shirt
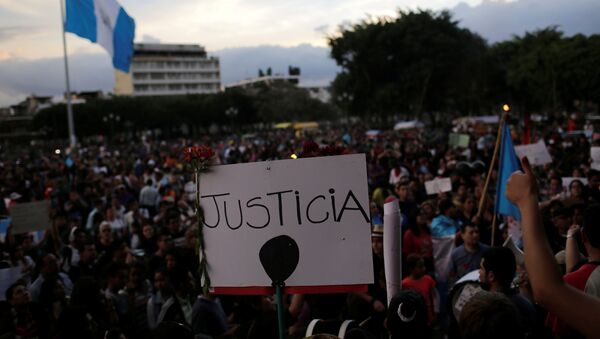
column 420, row 282
column 417, row 240
column 587, row 277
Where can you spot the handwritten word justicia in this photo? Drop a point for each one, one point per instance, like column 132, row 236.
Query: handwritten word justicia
column 316, row 210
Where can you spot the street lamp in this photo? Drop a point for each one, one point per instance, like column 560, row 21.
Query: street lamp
column 345, row 100
column 231, row 113
column 111, row 120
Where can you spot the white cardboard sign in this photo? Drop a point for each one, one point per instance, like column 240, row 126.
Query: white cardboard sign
column 595, row 155
column 438, row 185
column 322, row 203
column 566, row 182
column 536, row 153
column 31, row 216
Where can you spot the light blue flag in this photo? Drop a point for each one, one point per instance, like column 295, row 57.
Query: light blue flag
column 104, row 22
column 509, row 163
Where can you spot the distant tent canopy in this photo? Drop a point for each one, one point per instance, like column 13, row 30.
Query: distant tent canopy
column 374, row 133
column 484, row 119
column 283, row 125
column 404, row 125
column 297, row 125
column 306, row 125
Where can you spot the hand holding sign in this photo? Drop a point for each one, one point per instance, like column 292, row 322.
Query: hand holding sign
column 595, row 155
column 537, row 153
column 438, row 185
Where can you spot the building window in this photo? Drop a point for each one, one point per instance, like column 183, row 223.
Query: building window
column 140, row 76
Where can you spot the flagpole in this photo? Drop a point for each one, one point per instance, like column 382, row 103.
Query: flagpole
column 506, row 109
column 493, row 229
column 72, row 139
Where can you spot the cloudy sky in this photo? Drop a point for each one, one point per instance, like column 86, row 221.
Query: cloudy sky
column 31, row 45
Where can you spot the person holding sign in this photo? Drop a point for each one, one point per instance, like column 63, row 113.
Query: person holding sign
column 571, row 305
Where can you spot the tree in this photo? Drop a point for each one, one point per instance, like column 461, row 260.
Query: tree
column 418, row 62
column 293, row 70
column 286, row 102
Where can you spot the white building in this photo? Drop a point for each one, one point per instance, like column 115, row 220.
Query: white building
column 267, row 80
column 170, row 69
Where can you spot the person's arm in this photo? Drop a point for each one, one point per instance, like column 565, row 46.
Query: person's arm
column 378, row 306
column 296, row 305
column 571, row 305
column 572, row 249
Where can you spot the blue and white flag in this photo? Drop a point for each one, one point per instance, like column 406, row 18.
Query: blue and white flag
column 509, row 163
column 104, row 22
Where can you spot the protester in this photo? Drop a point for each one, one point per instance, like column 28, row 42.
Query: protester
column 492, row 316
column 407, row 314
column 573, row 306
column 21, row 318
column 496, row 274
column 421, row 283
column 129, row 203
column 467, row 257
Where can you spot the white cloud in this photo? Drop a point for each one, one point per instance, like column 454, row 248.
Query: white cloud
column 30, row 33
column 5, row 55
column 150, row 39
column 216, row 24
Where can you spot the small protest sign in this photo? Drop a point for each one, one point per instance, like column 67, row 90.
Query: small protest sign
column 459, row 140
column 4, row 223
column 537, row 153
column 31, row 216
column 320, row 203
column 566, row 182
column 595, row 155
column 439, row 185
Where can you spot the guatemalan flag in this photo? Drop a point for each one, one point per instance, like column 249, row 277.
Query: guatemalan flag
column 509, row 163
column 104, row 22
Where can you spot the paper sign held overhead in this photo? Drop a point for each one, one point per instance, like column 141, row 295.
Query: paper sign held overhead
column 439, row 185
column 31, row 216
column 537, row 153
column 595, row 155
column 459, row 140
column 321, row 203
column 566, row 181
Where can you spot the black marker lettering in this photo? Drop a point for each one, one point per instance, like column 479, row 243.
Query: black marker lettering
column 214, row 197
column 332, row 192
column 298, row 214
column 258, row 205
column 308, row 210
column 227, row 219
column 280, row 204
column 358, row 208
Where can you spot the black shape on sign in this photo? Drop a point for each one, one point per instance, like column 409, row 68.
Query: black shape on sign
column 279, row 257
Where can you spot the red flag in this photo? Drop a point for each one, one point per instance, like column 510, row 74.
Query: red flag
column 526, row 130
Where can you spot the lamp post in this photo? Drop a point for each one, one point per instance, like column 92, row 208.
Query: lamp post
column 111, row 121
column 345, row 100
column 231, row 113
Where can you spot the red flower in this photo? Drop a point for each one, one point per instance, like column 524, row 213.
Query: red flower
column 187, row 154
column 204, row 153
column 200, row 155
column 332, row 150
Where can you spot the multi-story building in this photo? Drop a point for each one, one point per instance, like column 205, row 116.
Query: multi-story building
column 266, row 80
column 169, row 69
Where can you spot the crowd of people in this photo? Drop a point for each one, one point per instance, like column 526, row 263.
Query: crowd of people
column 119, row 258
